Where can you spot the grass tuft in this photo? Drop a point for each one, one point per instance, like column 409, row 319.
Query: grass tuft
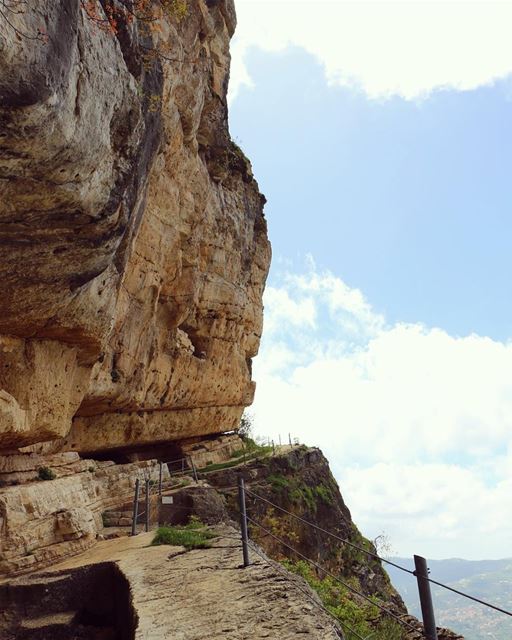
column 194, row 535
column 45, row 473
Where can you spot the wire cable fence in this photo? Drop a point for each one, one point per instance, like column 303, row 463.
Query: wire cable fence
column 315, row 600
column 421, row 572
column 186, row 466
column 154, row 489
column 336, row 578
column 375, row 555
column 329, row 533
column 177, row 467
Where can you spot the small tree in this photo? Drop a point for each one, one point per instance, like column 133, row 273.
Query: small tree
column 383, row 545
column 246, row 428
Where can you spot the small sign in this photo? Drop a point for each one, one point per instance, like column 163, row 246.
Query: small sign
column 167, row 500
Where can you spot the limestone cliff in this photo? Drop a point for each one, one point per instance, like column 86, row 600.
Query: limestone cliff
column 133, row 247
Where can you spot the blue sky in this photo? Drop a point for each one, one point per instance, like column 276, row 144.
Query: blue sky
column 408, row 201
column 388, row 314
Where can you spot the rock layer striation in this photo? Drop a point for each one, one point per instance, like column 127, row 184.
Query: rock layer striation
column 133, row 247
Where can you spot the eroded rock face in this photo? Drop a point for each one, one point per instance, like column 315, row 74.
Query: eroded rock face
column 42, row 522
column 133, row 248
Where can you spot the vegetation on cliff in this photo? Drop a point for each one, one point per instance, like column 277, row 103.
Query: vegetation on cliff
column 296, row 488
column 358, row 615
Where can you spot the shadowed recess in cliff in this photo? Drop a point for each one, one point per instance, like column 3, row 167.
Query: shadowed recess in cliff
column 90, row 602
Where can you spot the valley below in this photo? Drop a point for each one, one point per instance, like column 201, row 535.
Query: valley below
column 489, row 580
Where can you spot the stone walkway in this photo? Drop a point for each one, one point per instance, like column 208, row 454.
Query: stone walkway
column 204, row 594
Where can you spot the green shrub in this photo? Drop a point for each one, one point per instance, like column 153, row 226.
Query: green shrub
column 304, row 494
column 362, row 617
column 192, row 536
column 45, row 473
column 278, row 482
column 251, row 454
column 194, row 522
column 176, row 8
column 325, row 494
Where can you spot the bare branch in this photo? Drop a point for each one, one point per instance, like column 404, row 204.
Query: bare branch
column 40, row 36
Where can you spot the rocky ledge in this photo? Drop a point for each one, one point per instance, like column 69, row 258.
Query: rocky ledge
column 163, row 592
column 58, row 511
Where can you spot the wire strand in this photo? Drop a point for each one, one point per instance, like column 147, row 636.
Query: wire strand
column 284, row 572
column 334, row 577
column 466, row 595
column 329, row 533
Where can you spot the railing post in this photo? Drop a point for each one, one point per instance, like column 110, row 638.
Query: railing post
column 427, row 608
column 147, row 504
column 135, row 507
column 194, row 470
column 243, row 520
column 160, row 474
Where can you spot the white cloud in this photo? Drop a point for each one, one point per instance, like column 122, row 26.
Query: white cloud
column 285, row 309
column 407, row 48
column 409, row 416
column 432, row 508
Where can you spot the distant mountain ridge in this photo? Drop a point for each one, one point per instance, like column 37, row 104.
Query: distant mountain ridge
column 490, row 580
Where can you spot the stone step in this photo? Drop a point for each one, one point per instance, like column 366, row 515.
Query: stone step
column 117, row 514
column 64, row 617
column 112, row 518
column 65, row 631
column 120, row 532
column 116, row 522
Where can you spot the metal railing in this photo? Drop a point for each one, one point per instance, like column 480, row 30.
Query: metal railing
column 421, row 571
column 176, row 468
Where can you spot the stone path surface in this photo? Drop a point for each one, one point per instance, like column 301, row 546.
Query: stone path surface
column 204, row 594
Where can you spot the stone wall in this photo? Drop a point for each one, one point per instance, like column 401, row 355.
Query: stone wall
column 213, row 450
column 42, row 522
